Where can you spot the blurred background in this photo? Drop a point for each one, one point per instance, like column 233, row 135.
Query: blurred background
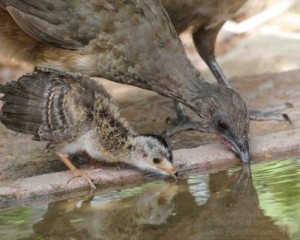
column 263, row 37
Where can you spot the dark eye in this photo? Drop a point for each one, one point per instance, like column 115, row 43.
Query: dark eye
column 221, row 125
column 156, row 160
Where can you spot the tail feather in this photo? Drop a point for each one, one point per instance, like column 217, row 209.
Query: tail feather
column 35, row 86
column 24, row 117
column 7, row 88
column 14, row 89
column 21, row 109
column 47, row 97
column 19, row 100
column 18, row 125
column 25, row 102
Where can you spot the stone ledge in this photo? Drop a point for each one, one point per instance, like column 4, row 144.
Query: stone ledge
column 204, row 158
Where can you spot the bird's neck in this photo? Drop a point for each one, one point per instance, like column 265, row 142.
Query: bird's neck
column 166, row 70
column 197, row 93
column 174, row 78
column 172, row 75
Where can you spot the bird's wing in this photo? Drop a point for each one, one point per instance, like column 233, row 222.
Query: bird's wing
column 73, row 24
column 51, row 105
column 66, row 24
column 131, row 41
column 70, row 106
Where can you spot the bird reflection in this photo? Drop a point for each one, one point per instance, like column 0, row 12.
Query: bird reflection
column 114, row 219
column 232, row 211
column 167, row 211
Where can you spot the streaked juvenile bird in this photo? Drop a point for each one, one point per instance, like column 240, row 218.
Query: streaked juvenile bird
column 77, row 114
column 132, row 42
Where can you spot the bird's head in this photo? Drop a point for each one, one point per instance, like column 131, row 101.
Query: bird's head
column 225, row 115
column 152, row 152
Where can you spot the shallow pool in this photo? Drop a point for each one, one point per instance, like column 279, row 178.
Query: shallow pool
column 230, row 204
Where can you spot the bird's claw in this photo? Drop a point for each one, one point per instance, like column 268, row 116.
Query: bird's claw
column 271, row 113
column 77, row 173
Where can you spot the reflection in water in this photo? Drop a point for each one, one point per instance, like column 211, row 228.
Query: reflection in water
column 215, row 206
column 120, row 219
column 231, row 212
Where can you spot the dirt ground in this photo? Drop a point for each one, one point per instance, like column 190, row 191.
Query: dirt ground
column 263, row 65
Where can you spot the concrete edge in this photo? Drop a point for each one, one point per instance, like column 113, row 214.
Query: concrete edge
column 205, row 158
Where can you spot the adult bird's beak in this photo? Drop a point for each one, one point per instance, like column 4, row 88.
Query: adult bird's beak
column 240, row 146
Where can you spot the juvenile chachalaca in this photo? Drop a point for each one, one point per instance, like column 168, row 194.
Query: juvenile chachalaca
column 130, row 42
column 77, row 115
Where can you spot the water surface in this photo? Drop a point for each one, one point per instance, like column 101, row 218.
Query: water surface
column 230, row 204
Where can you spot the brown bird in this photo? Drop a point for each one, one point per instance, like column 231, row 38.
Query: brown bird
column 130, row 42
column 78, row 115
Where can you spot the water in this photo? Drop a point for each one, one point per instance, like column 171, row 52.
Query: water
column 224, row 205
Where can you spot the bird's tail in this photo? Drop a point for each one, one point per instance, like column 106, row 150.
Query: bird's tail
column 24, row 103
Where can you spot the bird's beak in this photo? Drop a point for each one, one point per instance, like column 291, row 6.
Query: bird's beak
column 240, row 146
column 172, row 172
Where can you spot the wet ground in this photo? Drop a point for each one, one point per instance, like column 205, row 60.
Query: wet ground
column 230, row 204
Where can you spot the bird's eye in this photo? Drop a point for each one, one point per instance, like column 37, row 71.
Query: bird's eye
column 156, row 160
column 221, row 125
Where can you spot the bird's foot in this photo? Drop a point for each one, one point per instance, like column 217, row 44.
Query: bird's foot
column 93, row 163
column 76, row 172
column 49, row 147
column 271, row 113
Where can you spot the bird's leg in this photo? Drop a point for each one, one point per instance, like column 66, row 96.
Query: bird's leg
column 182, row 123
column 76, row 172
column 92, row 161
column 271, row 113
column 205, row 40
column 49, row 146
column 181, row 118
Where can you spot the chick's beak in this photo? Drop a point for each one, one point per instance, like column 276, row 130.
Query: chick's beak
column 172, row 172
